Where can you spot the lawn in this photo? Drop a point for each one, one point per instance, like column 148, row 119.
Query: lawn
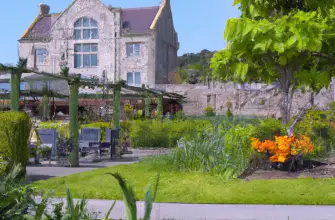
column 194, row 187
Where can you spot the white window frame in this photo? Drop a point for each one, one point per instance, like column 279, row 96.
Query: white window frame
column 82, row 53
column 41, row 58
column 133, row 52
column 134, row 78
column 93, row 25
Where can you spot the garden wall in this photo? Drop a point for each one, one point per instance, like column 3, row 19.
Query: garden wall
column 254, row 99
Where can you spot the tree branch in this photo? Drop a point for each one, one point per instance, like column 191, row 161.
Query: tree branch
column 302, row 113
column 325, row 56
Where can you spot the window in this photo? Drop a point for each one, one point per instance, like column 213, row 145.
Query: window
column 85, row 29
column 133, row 49
column 125, row 25
column 85, row 55
column 41, row 56
column 134, row 78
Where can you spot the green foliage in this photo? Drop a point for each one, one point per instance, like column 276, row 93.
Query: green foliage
column 226, row 153
column 194, row 68
column 331, row 112
column 14, row 198
column 268, row 129
column 62, row 128
column 279, row 41
column 17, row 202
column 157, row 134
column 128, row 110
column 14, row 137
column 268, row 8
column 130, row 200
column 229, row 114
column 147, row 107
column 281, row 38
column 179, row 115
column 3, row 165
column 76, row 211
column 317, row 126
column 209, row 111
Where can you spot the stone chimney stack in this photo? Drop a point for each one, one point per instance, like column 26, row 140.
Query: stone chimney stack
column 43, row 9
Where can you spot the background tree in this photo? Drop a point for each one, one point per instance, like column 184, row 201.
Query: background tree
column 289, row 42
column 194, row 68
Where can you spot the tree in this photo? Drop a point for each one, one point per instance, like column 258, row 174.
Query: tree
column 290, row 42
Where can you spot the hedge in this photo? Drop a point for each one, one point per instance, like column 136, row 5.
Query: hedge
column 157, row 134
column 14, row 137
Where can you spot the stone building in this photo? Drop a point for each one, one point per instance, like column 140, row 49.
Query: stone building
column 138, row 45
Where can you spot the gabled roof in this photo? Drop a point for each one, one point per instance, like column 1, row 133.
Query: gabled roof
column 135, row 20
column 138, row 19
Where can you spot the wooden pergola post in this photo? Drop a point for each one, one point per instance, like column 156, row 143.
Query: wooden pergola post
column 147, row 106
column 74, row 128
column 15, row 81
column 160, row 102
column 116, row 105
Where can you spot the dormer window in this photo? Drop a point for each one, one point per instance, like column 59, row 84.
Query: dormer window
column 125, row 25
column 85, row 29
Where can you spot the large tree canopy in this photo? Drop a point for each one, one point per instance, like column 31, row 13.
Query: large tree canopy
column 287, row 41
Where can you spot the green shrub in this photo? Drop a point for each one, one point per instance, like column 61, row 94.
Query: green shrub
column 268, row 129
column 3, row 165
column 62, row 128
column 14, row 137
column 179, row 115
column 317, row 126
column 209, row 111
column 157, row 134
column 226, row 153
column 229, row 114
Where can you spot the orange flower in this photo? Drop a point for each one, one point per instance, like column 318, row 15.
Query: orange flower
column 283, row 147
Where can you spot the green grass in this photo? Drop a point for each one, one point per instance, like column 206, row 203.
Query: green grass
column 194, row 187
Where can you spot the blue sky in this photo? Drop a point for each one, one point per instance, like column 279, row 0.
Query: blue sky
column 199, row 23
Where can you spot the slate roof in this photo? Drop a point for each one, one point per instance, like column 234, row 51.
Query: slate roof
column 139, row 19
column 41, row 28
column 136, row 20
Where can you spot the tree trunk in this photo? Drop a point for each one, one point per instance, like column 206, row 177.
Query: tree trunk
column 312, row 98
column 147, row 108
column 285, row 114
column 74, row 97
column 286, row 82
column 160, row 101
column 15, row 91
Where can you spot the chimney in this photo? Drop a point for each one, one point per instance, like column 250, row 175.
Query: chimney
column 43, row 9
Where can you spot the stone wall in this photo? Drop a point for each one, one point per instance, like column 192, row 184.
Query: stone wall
column 259, row 100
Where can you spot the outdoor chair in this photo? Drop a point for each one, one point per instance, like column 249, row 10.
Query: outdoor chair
column 90, row 140
column 48, row 137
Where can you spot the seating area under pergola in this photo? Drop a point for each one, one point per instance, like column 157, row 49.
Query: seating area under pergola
column 74, row 88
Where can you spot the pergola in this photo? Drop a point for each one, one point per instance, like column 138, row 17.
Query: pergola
column 74, row 82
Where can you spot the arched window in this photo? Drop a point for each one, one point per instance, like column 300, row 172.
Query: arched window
column 85, row 54
column 86, row 28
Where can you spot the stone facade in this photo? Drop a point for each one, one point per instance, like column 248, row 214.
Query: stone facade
column 151, row 28
column 252, row 100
